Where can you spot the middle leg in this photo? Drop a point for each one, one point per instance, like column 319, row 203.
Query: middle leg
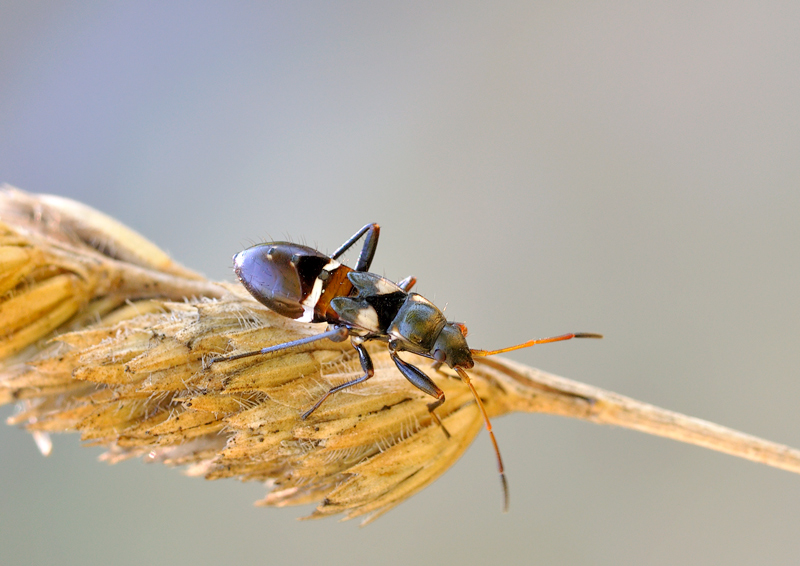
column 366, row 365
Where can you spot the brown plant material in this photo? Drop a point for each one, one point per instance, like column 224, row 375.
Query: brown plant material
column 103, row 334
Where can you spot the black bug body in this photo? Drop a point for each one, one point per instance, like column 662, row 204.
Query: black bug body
column 302, row 283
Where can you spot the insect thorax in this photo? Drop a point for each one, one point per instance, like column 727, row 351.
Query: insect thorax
column 417, row 321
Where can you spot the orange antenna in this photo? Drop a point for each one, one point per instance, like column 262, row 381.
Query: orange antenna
column 465, row 378
column 529, row 343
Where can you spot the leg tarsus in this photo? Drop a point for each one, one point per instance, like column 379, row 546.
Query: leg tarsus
column 431, row 407
column 333, row 390
column 369, row 371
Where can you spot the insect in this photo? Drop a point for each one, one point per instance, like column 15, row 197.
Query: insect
column 302, row 283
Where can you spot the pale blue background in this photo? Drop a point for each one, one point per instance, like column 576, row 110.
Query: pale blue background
column 541, row 167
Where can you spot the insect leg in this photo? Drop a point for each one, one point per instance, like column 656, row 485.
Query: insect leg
column 424, row 383
column 407, row 283
column 367, row 251
column 437, row 367
column 366, row 365
column 335, row 334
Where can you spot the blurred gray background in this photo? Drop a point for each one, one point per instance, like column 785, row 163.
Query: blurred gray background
column 541, row 167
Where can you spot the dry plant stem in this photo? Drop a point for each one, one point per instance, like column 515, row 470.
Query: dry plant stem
column 103, row 334
column 541, row 392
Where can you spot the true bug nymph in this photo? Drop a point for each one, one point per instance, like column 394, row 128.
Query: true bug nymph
column 302, row 283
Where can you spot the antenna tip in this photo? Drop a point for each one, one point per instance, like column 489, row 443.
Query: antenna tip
column 506, row 498
column 587, row 335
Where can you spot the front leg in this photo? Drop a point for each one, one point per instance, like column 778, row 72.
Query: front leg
column 424, row 383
